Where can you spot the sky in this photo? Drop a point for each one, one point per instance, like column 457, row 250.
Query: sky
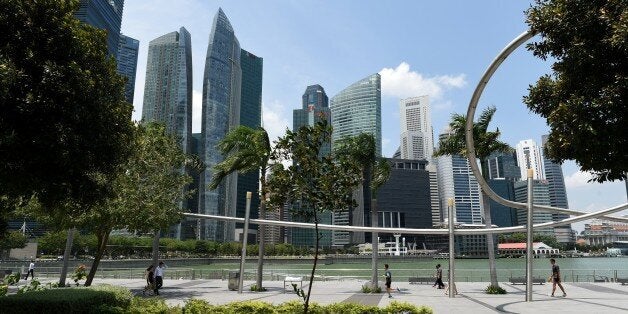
column 435, row 48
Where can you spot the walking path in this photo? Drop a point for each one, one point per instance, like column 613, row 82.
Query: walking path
column 595, row 298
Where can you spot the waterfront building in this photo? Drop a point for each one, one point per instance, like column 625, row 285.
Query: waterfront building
column 314, row 107
column 540, row 194
column 106, row 15
column 529, row 157
column 404, row 201
column 416, row 141
column 603, row 232
column 127, row 64
column 358, row 109
column 520, row 249
column 250, row 116
column 220, row 113
column 168, row 86
column 557, row 194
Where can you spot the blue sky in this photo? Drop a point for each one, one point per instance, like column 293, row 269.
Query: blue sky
column 438, row 48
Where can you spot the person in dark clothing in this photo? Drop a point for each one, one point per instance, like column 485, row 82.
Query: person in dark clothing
column 439, row 277
column 150, row 280
column 556, row 278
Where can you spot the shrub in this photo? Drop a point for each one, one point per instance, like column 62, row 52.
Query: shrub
column 151, row 306
column 366, row 288
column 351, row 308
column 80, row 273
column 195, row 306
column 71, row 300
column 3, row 290
column 34, row 285
column 12, row 279
column 254, row 288
column 405, row 307
column 495, row 290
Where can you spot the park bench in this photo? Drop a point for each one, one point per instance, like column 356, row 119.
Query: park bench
column 291, row 280
column 623, row 281
column 417, row 280
column 597, row 278
column 522, row 280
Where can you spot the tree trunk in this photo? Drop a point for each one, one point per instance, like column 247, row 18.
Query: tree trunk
column 261, row 233
column 490, row 243
column 309, row 289
column 66, row 257
column 103, row 238
column 375, row 245
column 156, row 248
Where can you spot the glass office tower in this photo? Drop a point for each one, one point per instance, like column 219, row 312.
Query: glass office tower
column 127, row 64
column 103, row 14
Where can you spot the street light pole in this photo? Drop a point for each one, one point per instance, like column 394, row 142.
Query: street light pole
column 245, row 235
column 529, row 244
column 451, row 215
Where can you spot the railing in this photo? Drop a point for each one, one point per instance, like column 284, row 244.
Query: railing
column 329, row 274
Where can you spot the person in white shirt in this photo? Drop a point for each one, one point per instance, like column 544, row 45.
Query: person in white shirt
column 159, row 277
column 31, row 271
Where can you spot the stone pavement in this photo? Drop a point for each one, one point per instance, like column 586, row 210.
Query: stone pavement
column 581, row 297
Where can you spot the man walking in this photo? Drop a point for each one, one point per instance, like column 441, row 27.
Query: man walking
column 556, row 278
column 388, row 276
column 439, row 277
column 159, row 277
column 31, row 271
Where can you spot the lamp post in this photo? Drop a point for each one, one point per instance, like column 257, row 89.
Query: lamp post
column 529, row 248
column 451, row 215
column 245, row 235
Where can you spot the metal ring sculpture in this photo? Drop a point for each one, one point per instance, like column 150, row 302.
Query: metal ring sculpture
column 525, row 36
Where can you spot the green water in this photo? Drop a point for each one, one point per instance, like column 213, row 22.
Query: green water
column 572, row 269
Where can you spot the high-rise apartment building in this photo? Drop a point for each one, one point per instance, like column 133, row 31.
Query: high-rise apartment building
column 417, row 141
column 221, row 112
column 127, row 64
column 557, row 194
column 106, row 15
column 529, row 157
column 314, row 107
column 358, row 109
column 168, row 86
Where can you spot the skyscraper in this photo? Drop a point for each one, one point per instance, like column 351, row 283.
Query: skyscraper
column 456, row 181
column 503, row 172
column 358, row 109
column 540, row 194
column 416, row 128
column 557, row 193
column 168, row 87
column 221, row 112
column 103, row 14
column 314, row 107
column 251, row 116
column 127, row 64
column 529, row 157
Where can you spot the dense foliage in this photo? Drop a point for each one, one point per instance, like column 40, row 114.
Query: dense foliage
column 65, row 127
column 584, row 99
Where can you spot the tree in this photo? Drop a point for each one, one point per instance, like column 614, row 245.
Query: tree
column 313, row 184
column 486, row 142
column 584, row 99
column 148, row 193
column 247, row 150
column 376, row 171
column 12, row 240
column 65, row 127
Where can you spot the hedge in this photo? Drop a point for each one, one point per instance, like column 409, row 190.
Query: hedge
column 67, row 300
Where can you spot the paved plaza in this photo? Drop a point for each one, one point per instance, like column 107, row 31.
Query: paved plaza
column 581, row 297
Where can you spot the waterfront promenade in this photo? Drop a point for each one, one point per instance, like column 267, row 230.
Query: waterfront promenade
column 581, row 297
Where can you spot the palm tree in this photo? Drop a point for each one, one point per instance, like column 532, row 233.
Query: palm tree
column 375, row 172
column 486, row 142
column 246, row 150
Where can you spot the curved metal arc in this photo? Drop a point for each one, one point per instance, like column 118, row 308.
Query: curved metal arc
column 522, row 38
column 412, row 230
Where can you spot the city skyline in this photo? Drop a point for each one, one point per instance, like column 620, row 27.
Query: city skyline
column 442, row 56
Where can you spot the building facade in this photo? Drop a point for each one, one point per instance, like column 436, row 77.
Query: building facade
column 503, row 172
column 417, row 141
column 221, row 112
column 106, row 15
column 602, row 232
column 540, row 195
column 557, row 194
column 529, row 157
column 456, row 181
column 127, row 64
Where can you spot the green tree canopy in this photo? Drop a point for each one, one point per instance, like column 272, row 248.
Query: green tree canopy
column 584, row 99
column 64, row 125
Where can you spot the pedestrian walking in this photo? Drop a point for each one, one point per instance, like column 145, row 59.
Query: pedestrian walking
column 150, row 280
column 439, row 278
column 31, row 271
column 388, row 276
column 556, row 278
column 159, row 277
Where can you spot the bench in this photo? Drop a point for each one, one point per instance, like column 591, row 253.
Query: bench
column 417, row 280
column 523, row 281
column 597, row 278
column 623, row 281
column 291, row 280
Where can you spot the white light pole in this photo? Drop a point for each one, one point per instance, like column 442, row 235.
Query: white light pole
column 451, row 214
column 529, row 244
column 245, row 235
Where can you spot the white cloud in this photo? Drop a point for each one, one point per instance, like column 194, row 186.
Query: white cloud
column 275, row 120
column 578, row 179
column 197, row 111
column 400, row 82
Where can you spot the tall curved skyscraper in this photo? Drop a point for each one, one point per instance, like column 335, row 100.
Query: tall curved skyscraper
column 221, row 112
